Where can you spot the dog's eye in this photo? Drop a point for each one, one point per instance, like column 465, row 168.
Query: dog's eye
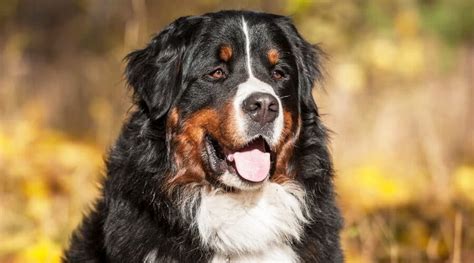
column 217, row 74
column 278, row 74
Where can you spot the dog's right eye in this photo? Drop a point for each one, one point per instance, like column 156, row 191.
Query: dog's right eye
column 217, row 74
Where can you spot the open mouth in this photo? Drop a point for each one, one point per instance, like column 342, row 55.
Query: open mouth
column 252, row 162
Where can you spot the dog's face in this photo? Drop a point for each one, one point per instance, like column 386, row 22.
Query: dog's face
column 233, row 88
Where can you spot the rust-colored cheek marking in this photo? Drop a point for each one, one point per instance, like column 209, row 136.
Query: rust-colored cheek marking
column 187, row 146
column 273, row 56
column 173, row 118
column 172, row 123
column 225, row 52
column 285, row 150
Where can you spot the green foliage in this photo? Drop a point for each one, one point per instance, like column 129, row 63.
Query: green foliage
column 451, row 20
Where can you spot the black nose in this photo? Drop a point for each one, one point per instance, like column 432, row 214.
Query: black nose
column 261, row 107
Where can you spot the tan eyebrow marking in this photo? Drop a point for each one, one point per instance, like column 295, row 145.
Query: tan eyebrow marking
column 225, row 52
column 273, row 56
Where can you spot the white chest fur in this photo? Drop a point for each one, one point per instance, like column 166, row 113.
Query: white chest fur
column 282, row 254
column 253, row 226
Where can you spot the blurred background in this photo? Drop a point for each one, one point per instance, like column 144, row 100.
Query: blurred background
column 398, row 96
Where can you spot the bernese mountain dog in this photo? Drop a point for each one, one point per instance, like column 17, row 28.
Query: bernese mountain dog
column 224, row 158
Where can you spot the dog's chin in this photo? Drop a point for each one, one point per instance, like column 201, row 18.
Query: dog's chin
column 224, row 172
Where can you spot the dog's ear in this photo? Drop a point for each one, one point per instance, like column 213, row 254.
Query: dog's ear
column 313, row 147
column 308, row 60
column 155, row 72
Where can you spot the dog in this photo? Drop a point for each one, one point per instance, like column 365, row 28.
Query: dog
column 224, row 158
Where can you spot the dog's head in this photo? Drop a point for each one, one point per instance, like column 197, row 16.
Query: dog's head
column 234, row 88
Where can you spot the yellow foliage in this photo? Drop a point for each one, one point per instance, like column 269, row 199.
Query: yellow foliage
column 370, row 187
column 382, row 53
column 405, row 57
column 350, row 76
column 35, row 187
column 39, row 208
column 297, row 6
column 44, row 170
column 29, row 149
column 407, row 23
column 464, row 182
column 354, row 257
column 43, row 251
column 6, row 147
column 410, row 59
column 15, row 139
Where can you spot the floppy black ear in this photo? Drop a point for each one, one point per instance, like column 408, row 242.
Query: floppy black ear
column 308, row 59
column 315, row 160
column 309, row 72
column 155, row 71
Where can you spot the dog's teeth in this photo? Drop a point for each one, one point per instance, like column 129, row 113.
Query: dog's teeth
column 230, row 157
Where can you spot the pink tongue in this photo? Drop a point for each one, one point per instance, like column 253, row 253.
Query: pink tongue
column 252, row 162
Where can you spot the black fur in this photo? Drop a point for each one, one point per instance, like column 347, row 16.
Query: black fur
column 135, row 215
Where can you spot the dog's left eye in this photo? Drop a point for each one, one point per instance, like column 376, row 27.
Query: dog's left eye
column 217, row 74
column 278, row 74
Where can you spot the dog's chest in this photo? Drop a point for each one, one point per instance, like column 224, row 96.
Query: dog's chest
column 252, row 226
column 276, row 254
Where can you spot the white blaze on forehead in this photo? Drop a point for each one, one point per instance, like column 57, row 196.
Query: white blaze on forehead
column 247, row 46
column 251, row 86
